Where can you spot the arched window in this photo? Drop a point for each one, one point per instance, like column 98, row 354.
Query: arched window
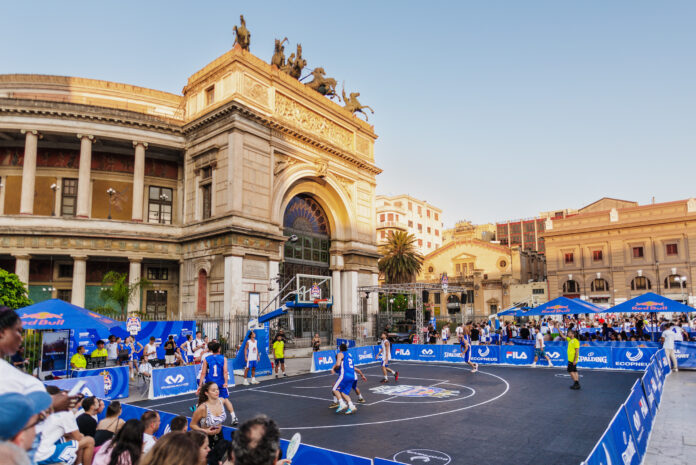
column 674, row 281
column 202, row 305
column 599, row 285
column 305, row 219
column 571, row 287
column 641, row 283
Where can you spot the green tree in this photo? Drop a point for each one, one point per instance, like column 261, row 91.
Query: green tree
column 13, row 294
column 399, row 304
column 119, row 290
column 400, row 263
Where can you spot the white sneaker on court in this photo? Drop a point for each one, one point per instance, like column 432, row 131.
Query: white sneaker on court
column 246, row 381
column 253, row 381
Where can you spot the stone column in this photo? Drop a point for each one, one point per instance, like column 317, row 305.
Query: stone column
column 138, row 180
column 336, row 289
column 84, row 182
column 273, row 288
column 233, row 287
column 79, row 280
column 373, row 301
column 26, row 206
column 22, row 268
column 134, row 274
column 181, row 290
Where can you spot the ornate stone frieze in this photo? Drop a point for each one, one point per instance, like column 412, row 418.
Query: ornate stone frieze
column 255, row 91
column 312, row 122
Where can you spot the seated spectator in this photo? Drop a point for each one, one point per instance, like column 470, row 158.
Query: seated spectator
column 109, row 425
column 19, row 414
column 172, row 449
column 100, row 351
column 12, row 454
column 78, row 361
column 60, row 438
column 201, row 442
column 151, row 422
column 257, row 442
column 178, row 424
column 125, row 448
column 87, row 422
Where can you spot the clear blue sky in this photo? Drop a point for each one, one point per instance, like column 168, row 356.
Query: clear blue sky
column 490, row 109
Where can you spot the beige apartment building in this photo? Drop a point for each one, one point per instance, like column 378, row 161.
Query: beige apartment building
column 609, row 255
column 414, row 216
column 199, row 192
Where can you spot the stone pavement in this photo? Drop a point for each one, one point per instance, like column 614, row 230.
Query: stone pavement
column 673, row 440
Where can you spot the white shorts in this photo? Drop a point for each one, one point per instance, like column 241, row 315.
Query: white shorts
column 145, row 368
column 170, row 359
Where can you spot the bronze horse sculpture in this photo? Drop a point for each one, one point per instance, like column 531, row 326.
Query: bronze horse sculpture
column 353, row 105
column 323, row 85
column 242, row 35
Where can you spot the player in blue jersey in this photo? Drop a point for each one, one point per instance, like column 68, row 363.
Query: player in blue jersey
column 465, row 346
column 344, row 384
column 214, row 370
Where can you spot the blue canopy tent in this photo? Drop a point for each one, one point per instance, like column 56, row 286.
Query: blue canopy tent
column 58, row 314
column 560, row 306
column 651, row 303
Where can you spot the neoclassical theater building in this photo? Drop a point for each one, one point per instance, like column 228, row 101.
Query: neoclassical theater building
column 199, row 193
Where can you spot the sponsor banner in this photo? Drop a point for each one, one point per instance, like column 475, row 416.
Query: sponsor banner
column 362, row 355
column 639, row 417
column 452, row 353
column 516, row 355
column 617, row 446
column 348, row 342
column 686, row 354
column 405, row 351
column 378, row 461
column 428, row 353
column 595, row 357
column 323, row 360
column 316, row 455
column 651, row 391
column 263, row 366
column 173, row 381
column 558, row 356
column 115, row 380
column 485, row 354
column 637, row 358
column 664, row 362
column 94, row 385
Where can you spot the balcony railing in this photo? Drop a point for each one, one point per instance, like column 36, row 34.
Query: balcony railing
column 392, row 225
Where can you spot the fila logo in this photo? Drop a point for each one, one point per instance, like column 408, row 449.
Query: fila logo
column 516, row 355
column 174, row 379
column 325, row 360
column 427, row 352
column 402, row 352
column 636, row 357
column 484, row 352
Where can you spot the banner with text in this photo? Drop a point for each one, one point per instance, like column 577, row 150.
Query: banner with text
column 632, row 359
column 617, row 444
column 115, row 380
column 639, row 417
column 686, row 354
column 94, row 385
column 595, row 357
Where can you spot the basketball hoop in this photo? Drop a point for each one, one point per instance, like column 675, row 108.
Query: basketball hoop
column 323, row 304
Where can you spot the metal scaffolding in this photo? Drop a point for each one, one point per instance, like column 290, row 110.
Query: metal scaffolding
column 415, row 289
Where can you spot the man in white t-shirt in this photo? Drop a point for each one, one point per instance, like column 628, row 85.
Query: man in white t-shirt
column 111, row 351
column 149, row 355
column 539, row 347
column 151, row 422
column 668, row 338
column 459, row 331
column 445, row 334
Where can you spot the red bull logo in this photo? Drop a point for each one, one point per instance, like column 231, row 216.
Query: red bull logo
column 649, row 305
column 43, row 318
column 555, row 309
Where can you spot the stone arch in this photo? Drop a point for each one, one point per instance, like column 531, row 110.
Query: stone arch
column 600, row 284
column 326, row 192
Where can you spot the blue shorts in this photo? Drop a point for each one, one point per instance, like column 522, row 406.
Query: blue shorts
column 64, row 452
column 251, row 364
column 223, row 392
column 189, row 359
column 385, row 363
column 467, row 354
column 344, row 385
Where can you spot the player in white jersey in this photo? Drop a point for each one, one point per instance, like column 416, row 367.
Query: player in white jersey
column 385, row 355
column 251, row 358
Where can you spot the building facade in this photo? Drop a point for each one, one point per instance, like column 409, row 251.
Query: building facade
column 467, row 230
column 417, row 217
column 610, row 256
column 198, row 192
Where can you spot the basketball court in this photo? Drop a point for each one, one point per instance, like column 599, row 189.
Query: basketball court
column 442, row 413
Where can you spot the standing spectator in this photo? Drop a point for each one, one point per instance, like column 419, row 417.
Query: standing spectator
column 316, row 343
column 573, row 356
column 172, row 449
column 639, row 327
column 279, row 355
column 432, row 334
column 187, row 349
column 169, row 352
column 524, row 332
column 445, row 333
column 112, row 351
column 133, row 355
column 125, row 448
column 151, row 423
column 475, row 335
column 87, row 422
column 109, row 425
column 667, row 339
column 257, row 442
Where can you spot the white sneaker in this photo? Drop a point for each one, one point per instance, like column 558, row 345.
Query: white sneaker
column 534, row 364
column 253, row 381
column 246, row 382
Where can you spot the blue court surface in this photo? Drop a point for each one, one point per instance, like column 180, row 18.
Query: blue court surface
column 442, row 413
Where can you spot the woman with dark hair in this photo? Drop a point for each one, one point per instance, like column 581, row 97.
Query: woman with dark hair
column 172, row 449
column 201, row 441
column 109, row 425
column 210, row 413
column 125, row 448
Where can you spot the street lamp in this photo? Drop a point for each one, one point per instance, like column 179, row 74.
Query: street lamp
column 54, row 188
column 111, row 191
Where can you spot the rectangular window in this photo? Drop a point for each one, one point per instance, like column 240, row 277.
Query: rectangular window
column 383, row 234
column 156, row 304
column 390, row 217
column 637, row 252
column 381, row 218
column 597, row 255
column 569, row 257
column 538, row 291
column 206, row 194
column 65, row 270
column 207, row 172
column 458, row 267
column 427, row 213
column 436, row 217
column 65, row 295
column 437, row 232
column 428, row 229
column 410, row 206
column 420, row 227
column 410, row 224
column 210, row 95
column 437, row 297
column 69, row 198
column 429, row 245
column 157, row 273
column 420, row 242
column 160, row 205
column 671, row 249
column 420, row 211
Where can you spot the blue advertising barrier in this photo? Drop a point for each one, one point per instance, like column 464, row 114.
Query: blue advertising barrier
column 639, row 417
column 652, row 386
column 94, row 385
column 452, row 353
column 666, row 367
column 632, row 359
column 378, row 461
column 263, row 367
column 485, row 354
column 348, row 342
column 595, row 357
column 115, row 380
column 617, row 445
column 516, row 355
column 363, row 355
column 404, row 351
column 174, row 381
column 323, row 360
column 686, row 354
column 428, row 353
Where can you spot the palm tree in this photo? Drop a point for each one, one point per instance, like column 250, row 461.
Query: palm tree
column 120, row 291
column 400, row 263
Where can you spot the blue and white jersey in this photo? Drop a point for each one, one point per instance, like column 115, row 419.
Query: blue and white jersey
column 385, row 352
column 216, row 369
column 347, row 368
